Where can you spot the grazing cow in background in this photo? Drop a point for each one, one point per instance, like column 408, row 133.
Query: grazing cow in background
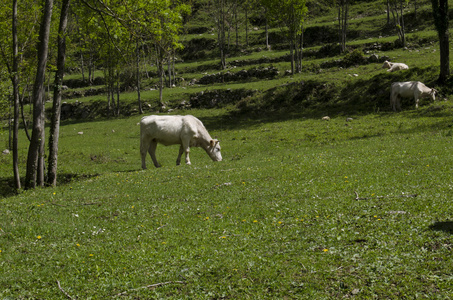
column 409, row 89
column 394, row 66
column 186, row 131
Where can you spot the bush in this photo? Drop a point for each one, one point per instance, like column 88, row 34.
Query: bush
column 354, row 58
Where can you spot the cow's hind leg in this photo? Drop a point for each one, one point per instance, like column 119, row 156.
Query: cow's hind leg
column 392, row 102
column 144, row 145
column 152, row 153
column 397, row 103
column 181, row 151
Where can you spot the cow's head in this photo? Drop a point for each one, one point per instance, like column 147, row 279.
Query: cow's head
column 433, row 94
column 386, row 65
column 214, row 150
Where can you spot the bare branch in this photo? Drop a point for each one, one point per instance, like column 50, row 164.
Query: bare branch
column 64, row 292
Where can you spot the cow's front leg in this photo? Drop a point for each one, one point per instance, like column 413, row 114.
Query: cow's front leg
column 416, row 103
column 185, row 147
column 187, row 156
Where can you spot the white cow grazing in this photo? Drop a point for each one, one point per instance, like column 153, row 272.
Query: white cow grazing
column 409, row 89
column 186, row 131
column 394, row 66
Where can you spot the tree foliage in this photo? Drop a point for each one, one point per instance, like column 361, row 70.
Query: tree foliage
column 289, row 15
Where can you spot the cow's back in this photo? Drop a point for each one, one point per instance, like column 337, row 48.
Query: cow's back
column 163, row 129
column 405, row 89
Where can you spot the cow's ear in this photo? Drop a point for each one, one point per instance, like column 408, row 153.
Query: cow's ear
column 212, row 143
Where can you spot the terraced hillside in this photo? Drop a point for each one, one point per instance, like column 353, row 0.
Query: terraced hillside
column 258, row 80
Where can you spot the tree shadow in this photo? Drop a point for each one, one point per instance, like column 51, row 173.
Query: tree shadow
column 7, row 188
column 446, row 226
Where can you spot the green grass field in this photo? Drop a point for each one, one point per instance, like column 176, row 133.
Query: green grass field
column 299, row 208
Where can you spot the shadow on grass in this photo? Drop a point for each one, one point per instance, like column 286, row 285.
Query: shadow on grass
column 446, row 226
column 7, row 188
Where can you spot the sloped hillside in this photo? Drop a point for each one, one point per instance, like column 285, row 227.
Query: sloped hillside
column 258, row 79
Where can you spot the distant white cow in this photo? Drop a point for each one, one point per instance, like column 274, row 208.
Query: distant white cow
column 409, row 89
column 186, row 131
column 394, row 66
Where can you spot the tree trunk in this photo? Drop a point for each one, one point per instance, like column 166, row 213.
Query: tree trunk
column 388, row 12
column 236, row 22
column 342, row 23
column 160, row 71
column 301, row 48
column 403, row 35
column 24, row 121
column 246, row 27
column 35, row 161
column 15, row 81
column 398, row 19
column 440, row 14
column 118, row 91
column 444, row 57
column 267, row 32
column 137, row 65
column 56, row 107
column 291, row 53
column 221, row 29
column 170, row 81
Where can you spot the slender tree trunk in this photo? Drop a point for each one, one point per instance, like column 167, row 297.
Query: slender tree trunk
column 301, row 48
column 222, row 34
column 246, row 26
column 118, row 91
column 398, row 19
column 137, row 65
column 160, row 71
column 236, row 22
column 403, row 35
column 82, row 69
column 388, row 12
column 56, row 107
column 444, row 57
column 24, row 121
column 35, row 161
column 170, row 83
column 267, row 32
column 291, row 51
column 342, row 23
column 15, row 79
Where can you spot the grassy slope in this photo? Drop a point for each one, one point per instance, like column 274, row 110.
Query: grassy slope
column 278, row 218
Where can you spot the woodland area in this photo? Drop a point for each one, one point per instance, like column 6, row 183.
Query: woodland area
column 132, row 42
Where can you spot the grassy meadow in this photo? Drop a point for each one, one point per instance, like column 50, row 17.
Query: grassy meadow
column 359, row 206
column 298, row 208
